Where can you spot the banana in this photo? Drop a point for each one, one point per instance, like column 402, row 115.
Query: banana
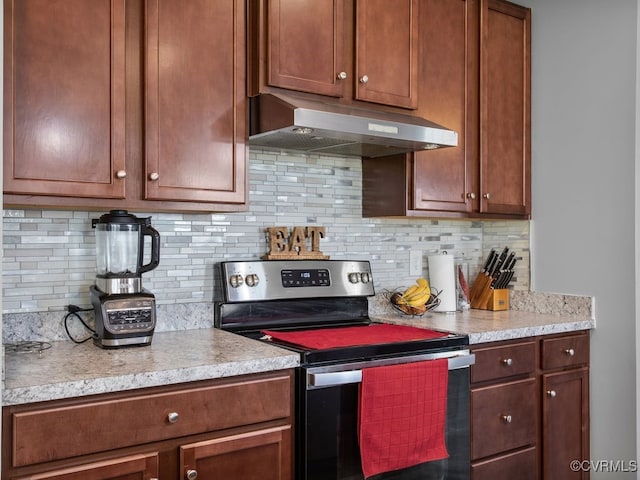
column 419, row 300
column 423, row 282
column 410, row 291
column 416, row 294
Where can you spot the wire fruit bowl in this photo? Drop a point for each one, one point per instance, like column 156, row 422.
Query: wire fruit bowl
column 413, row 310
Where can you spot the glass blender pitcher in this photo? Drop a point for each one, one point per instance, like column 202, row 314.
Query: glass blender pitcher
column 120, row 251
column 124, row 311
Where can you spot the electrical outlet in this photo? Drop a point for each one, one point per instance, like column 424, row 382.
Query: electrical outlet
column 415, row 262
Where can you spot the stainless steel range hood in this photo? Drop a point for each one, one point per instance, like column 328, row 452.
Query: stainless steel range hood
column 283, row 122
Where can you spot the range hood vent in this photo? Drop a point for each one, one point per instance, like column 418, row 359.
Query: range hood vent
column 283, row 122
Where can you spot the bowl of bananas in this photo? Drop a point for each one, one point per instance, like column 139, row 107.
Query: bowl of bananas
column 416, row 299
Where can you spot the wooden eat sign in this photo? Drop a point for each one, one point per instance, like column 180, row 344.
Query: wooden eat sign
column 294, row 246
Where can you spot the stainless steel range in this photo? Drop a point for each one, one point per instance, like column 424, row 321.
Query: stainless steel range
column 319, row 308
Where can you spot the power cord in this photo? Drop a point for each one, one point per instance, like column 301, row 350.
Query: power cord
column 73, row 311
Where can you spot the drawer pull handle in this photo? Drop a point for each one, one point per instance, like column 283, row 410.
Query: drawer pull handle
column 192, row 474
column 507, row 418
column 508, row 362
column 570, row 351
column 173, row 417
column 551, row 393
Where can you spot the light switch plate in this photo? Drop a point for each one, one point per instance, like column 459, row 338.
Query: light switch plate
column 415, row 262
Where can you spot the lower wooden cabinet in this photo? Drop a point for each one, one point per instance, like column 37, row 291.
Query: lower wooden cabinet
column 530, row 408
column 565, row 408
column 223, row 428
column 504, row 417
column 143, row 467
column 521, row 464
column 238, row 456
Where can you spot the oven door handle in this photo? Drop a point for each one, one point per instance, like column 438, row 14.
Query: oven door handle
column 317, row 378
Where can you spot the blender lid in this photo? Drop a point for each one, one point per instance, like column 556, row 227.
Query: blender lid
column 121, row 217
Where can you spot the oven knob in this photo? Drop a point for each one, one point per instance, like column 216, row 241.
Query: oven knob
column 251, row 280
column 354, row 277
column 365, row 277
column 236, row 280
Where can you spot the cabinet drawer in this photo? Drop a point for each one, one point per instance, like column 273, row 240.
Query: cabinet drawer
column 503, row 361
column 503, row 417
column 132, row 420
column 565, row 351
column 521, row 465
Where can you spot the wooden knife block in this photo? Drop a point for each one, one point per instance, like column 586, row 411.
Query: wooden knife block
column 492, row 300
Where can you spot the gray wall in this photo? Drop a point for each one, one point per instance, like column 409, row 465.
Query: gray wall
column 583, row 138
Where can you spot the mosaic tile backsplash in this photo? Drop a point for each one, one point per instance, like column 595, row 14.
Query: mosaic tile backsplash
column 49, row 255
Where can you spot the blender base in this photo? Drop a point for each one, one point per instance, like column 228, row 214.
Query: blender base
column 123, row 320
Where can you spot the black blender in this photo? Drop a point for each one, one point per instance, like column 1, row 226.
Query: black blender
column 125, row 313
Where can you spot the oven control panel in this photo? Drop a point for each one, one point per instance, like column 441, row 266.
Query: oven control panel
column 283, row 279
column 310, row 277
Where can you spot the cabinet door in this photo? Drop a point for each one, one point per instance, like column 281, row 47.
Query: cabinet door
column 195, row 101
column 64, row 101
column 305, row 46
column 386, row 37
column 263, row 454
column 565, row 422
column 505, row 108
column 447, row 179
column 134, row 467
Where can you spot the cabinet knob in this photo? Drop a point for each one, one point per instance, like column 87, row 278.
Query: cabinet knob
column 191, row 474
column 570, row 351
column 364, row 79
column 342, row 76
column 471, row 195
column 507, row 418
column 173, row 417
column 121, row 174
column 508, row 362
column 551, row 393
column 153, row 176
column 486, row 195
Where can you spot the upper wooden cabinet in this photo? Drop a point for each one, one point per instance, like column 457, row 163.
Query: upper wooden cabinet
column 350, row 49
column 505, row 95
column 64, row 97
column 195, row 101
column 113, row 104
column 305, row 49
column 474, row 79
column 387, row 52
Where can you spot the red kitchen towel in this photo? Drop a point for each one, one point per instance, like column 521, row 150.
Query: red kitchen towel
column 320, row 338
column 402, row 415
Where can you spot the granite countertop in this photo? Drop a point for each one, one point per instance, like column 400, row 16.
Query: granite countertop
column 487, row 326
column 69, row 370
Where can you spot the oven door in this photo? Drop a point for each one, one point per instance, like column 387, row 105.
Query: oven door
column 328, row 422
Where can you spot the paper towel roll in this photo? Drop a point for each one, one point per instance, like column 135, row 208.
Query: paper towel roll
column 442, row 277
